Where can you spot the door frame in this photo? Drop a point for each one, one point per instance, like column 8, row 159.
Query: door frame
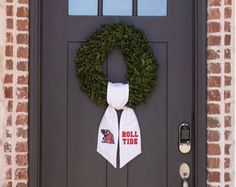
column 200, row 94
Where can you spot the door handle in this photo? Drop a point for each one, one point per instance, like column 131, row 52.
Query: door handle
column 185, row 183
column 184, row 172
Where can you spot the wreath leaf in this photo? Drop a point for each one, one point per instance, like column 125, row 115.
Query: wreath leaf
column 138, row 56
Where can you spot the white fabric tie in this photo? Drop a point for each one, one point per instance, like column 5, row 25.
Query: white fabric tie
column 109, row 134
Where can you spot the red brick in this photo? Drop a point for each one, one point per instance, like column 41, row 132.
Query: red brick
column 9, row 10
column 9, row 37
column 213, row 149
column 228, row 2
column 22, row 66
column 22, row 25
column 22, row 119
column 227, row 67
column 214, row 95
column 22, row 39
column 227, row 163
column 214, row 40
column 227, row 149
column 8, row 159
column 227, row 134
column 212, row 55
column 23, row 1
column 213, row 122
column 228, row 81
column 227, row 53
column 22, row 160
column 228, row 12
column 21, row 174
column 213, row 136
column 22, row 80
column 214, row 68
column 9, row 120
column 227, row 26
column 22, row 147
column 214, row 2
column 22, row 11
column 227, row 177
column 227, row 39
column 9, row 50
column 9, row 23
column 8, row 133
column 213, row 27
column 227, row 107
column 8, row 174
column 213, row 163
column 213, row 13
column 9, row 64
column 214, row 176
column 213, row 108
column 7, row 147
column 23, row 52
column 214, row 81
column 22, row 107
column 7, row 184
column 21, row 184
column 227, row 121
column 8, row 78
column 227, row 94
column 8, row 92
column 22, row 93
column 9, row 106
column 22, row 133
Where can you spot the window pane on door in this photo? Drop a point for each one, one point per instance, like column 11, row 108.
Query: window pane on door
column 83, row 7
column 152, row 7
column 117, row 7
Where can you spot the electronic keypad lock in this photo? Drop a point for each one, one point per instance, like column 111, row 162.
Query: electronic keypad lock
column 184, row 138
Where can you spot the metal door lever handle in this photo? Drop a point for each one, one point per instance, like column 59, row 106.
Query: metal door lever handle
column 185, row 183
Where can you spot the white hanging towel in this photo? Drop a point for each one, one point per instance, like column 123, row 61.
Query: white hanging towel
column 129, row 136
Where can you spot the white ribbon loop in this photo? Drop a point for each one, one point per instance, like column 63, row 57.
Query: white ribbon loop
column 129, row 136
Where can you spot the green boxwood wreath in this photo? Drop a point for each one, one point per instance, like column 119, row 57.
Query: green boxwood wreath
column 138, row 56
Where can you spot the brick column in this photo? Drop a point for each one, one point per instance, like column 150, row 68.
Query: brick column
column 15, row 82
column 220, row 92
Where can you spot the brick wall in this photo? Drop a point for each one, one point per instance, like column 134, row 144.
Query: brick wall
column 14, row 93
column 15, row 86
column 220, row 92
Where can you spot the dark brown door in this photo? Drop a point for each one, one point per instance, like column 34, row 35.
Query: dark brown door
column 69, row 120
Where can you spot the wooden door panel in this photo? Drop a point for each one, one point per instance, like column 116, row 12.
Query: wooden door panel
column 74, row 31
column 151, row 166
column 85, row 167
column 54, row 115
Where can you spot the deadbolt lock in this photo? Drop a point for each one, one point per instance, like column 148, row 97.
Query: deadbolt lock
column 184, row 171
column 184, row 138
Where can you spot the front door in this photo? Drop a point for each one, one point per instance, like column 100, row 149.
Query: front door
column 70, row 120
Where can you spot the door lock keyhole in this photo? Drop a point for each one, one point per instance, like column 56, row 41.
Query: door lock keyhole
column 184, row 172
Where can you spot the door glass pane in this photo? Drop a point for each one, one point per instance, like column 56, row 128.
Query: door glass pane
column 117, row 7
column 83, row 7
column 152, row 7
